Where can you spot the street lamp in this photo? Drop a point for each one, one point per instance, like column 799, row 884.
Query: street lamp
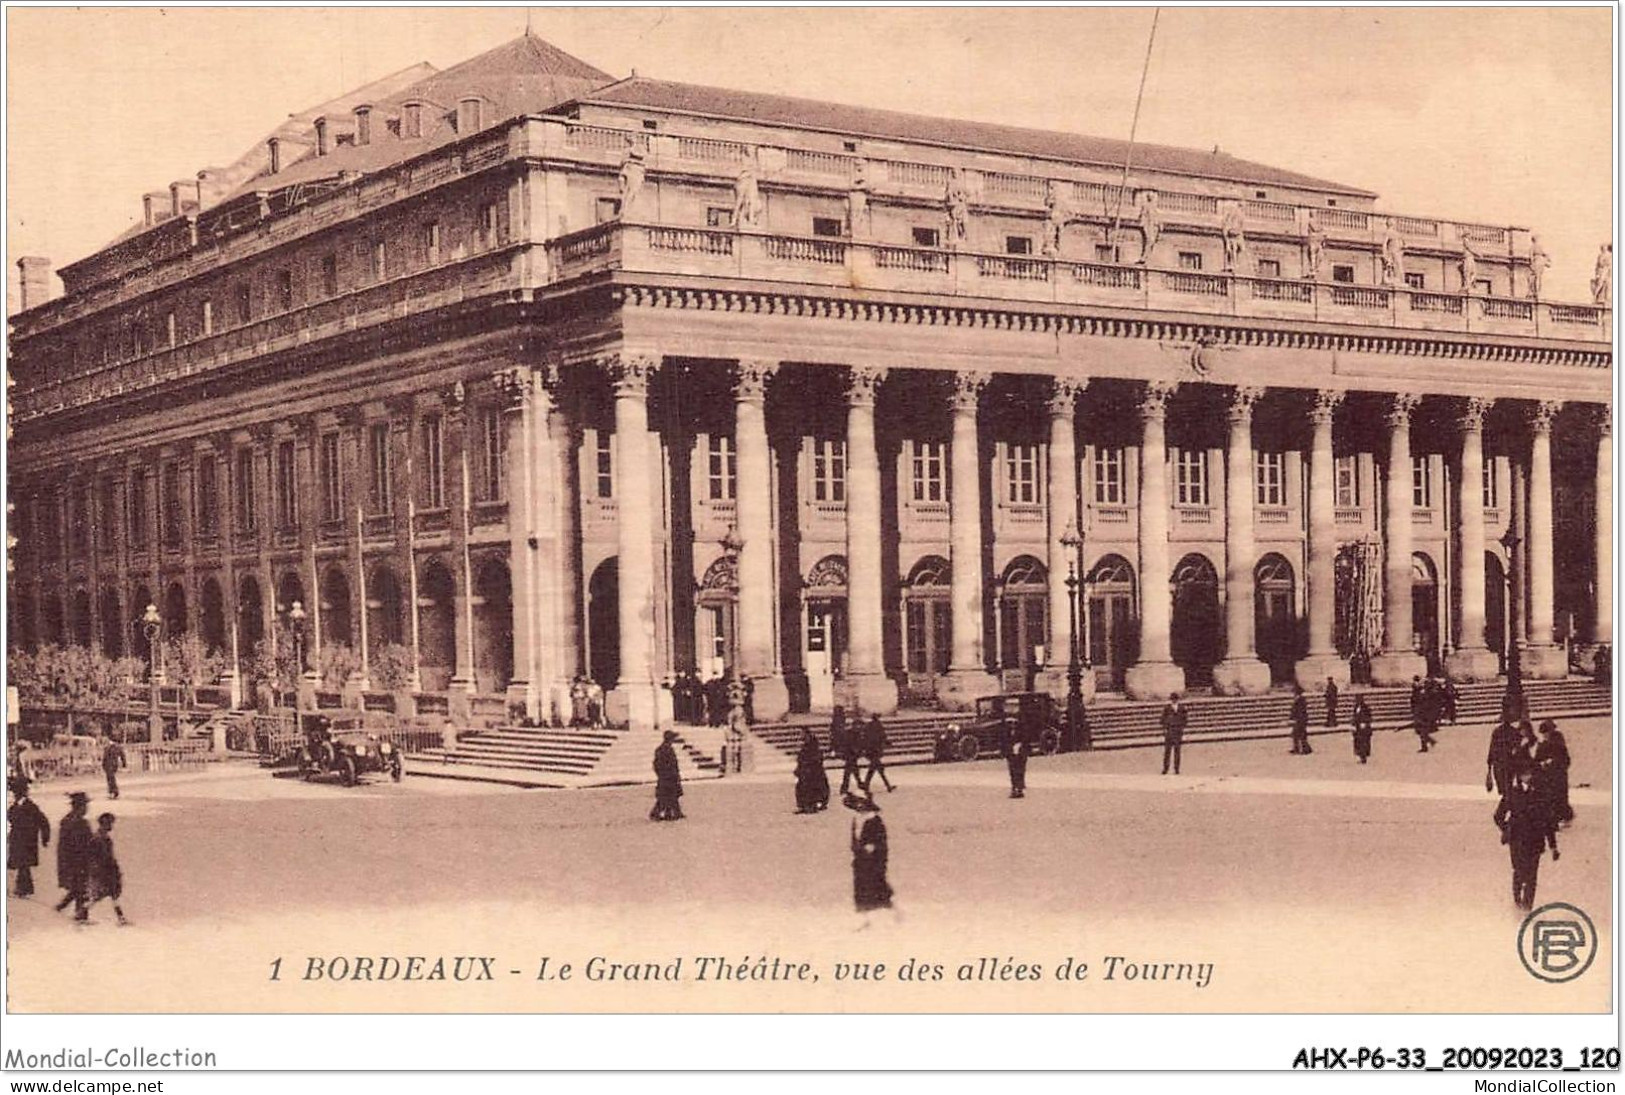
column 732, row 545
column 1077, row 723
column 296, row 624
column 1514, row 693
column 152, row 626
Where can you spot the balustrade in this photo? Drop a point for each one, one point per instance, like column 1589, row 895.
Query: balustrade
column 909, row 258
column 1295, row 292
column 694, row 240
column 1107, row 277
column 1501, row 308
column 1358, row 296
column 994, row 266
column 797, row 249
column 1436, row 302
column 1180, row 281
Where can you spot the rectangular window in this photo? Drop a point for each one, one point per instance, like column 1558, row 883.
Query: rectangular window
column 169, row 329
column 434, row 469
column 488, row 224
column 1491, row 494
column 287, row 501
column 1022, row 475
column 330, row 275
column 208, row 316
column 494, row 459
column 207, row 498
column 721, row 468
column 1348, row 482
column 1190, row 260
column 1109, row 489
column 245, row 490
column 1343, row 274
column 607, row 209
column 1018, row 245
column 245, row 302
column 604, row 464
column 171, row 505
column 1105, row 252
column 1416, row 281
column 138, row 510
column 109, row 507
column 927, row 474
column 1269, row 268
column 376, row 261
column 138, row 339
column 79, row 520
column 829, row 471
column 284, row 290
column 51, row 533
column 827, row 226
column 927, row 237
column 1421, row 482
column 332, row 482
column 431, row 243
column 719, row 217
column 1484, row 287
column 378, row 499
column 1190, row 466
column 1271, row 476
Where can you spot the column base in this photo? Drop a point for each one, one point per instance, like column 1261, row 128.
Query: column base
column 769, row 698
column 1393, row 668
column 1153, row 680
column 460, row 700
column 635, row 706
column 1241, row 677
column 1548, row 662
column 1052, row 679
column 1466, row 666
column 1311, row 672
column 867, row 693
column 959, row 689
column 557, row 704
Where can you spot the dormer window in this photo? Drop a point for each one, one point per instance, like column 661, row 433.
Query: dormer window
column 363, row 124
column 469, row 118
column 412, row 120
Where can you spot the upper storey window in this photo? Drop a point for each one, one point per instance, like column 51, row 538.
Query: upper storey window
column 1269, row 268
column 827, row 226
column 1190, row 260
column 1190, row 466
column 1109, row 490
column 722, row 468
column 412, row 120
column 1018, row 245
column 1416, row 281
column 330, row 275
column 284, row 290
column 469, row 115
column 1023, row 475
column 829, row 471
column 1270, row 473
column 928, row 459
column 1343, row 273
column 927, row 237
column 244, row 299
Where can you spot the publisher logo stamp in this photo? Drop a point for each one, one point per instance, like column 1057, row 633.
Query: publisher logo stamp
column 1557, row 942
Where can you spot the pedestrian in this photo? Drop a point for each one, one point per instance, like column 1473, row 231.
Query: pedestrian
column 1331, row 703
column 870, row 890
column 716, row 701
column 749, row 702
column 1424, row 711
column 812, row 782
column 578, row 701
column 27, row 831
column 1417, row 692
column 105, row 879
column 668, row 781
column 1449, row 697
column 1499, row 761
column 1174, row 718
column 73, row 856
column 843, row 742
column 1551, row 780
column 1300, row 722
column 22, row 762
column 1362, row 729
column 1526, row 829
column 873, row 746
column 112, row 760
column 595, row 704
column 1016, row 743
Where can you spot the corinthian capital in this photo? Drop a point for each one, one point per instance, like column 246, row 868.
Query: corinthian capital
column 517, row 385
column 1472, row 414
column 630, row 373
column 750, row 380
column 1327, row 400
column 1399, row 411
column 1063, row 396
column 862, row 384
column 1604, row 413
column 969, row 384
column 1242, row 399
column 1545, row 411
column 1154, row 403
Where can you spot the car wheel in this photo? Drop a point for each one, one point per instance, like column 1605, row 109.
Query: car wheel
column 968, row 746
column 1049, row 743
column 347, row 767
column 396, row 769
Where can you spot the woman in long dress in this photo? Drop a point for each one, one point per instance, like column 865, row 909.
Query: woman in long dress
column 870, row 890
column 812, row 782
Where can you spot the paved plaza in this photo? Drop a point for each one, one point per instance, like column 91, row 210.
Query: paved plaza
column 1310, row 883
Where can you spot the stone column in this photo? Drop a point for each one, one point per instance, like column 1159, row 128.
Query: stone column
column 564, row 434
column 1545, row 659
column 1063, row 510
column 633, row 701
column 868, row 688
column 1240, row 673
column 1603, row 628
column 758, row 647
column 461, row 687
column 226, row 530
column 1155, row 675
column 518, row 388
column 1322, row 660
column 1398, row 660
column 968, row 675
column 1472, row 660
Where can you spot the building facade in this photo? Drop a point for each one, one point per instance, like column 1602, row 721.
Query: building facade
column 531, row 373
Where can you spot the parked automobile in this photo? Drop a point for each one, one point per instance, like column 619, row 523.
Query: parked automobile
column 997, row 718
column 340, row 745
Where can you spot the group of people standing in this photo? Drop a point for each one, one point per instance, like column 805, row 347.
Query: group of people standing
column 87, row 869
column 1432, row 702
column 710, row 702
column 1531, row 774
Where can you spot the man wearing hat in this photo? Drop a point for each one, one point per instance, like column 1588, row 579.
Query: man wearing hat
column 27, row 830
column 73, row 857
column 112, row 760
column 668, row 781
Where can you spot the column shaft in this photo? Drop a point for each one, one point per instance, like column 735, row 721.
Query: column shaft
column 634, row 508
column 1398, row 662
column 1472, row 659
column 1603, row 628
column 1240, row 671
column 1063, row 513
column 965, row 526
column 869, row 688
column 1154, row 675
column 518, row 385
column 1540, row 527
column 754, row 516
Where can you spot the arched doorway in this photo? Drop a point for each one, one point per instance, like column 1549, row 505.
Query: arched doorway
column 824, row 639
column 604, row 625
column 384, row 615
column 81, row 618
column 1195, row 635
column 175, row 618
column 250, row 616
column 1495, row 606
column 493, row 627
column 437, row 627
column 1275, row 616
column 1114, row 637
column 336, row 626
column 51, row 626
column 112, row 624
column 928, row 618
column 716, row 616
column 1023, row 621
column 1425, row 611
column 212, row 615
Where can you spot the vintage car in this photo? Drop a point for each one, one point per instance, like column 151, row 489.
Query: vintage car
column 340, row 744
column 999, row 718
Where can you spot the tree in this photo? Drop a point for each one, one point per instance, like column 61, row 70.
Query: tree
column 190, row 663
column 392, row 668
column 337, row 664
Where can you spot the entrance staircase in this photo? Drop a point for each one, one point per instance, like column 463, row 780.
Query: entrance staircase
column 562, row 756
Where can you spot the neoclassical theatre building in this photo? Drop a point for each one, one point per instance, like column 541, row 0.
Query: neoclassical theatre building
column 538, row 373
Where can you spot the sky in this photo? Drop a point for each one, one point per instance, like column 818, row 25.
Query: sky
column 1495, row 115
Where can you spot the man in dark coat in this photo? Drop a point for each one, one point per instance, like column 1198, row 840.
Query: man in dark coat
column 1331, row 702
column 1016, row 739
column 873, row 746
column 668, row 781
column 1498, row 763
column 843, row 743
column 812, row 782
column 1362, row 729
column 106, row 878
column 1551, row 774
column 73, row 857
column 1300, row 721
column 1526, row 829
column 27, row 831
column 1448, row 698
column 1424, row 711
column 1174, row 717
column 870, row 888
column 112, row 760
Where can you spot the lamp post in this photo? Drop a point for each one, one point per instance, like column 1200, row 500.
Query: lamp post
column 1077, row 722
column 1514, row 693
column 296, row 625
column 152, row 626
column 732, row 545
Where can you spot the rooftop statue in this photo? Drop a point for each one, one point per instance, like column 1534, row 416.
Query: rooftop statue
column 1314, row 245
column 749, row 208
column 633, row 171
column 1539, row 263
column 1235, row 236
column 1393, row 256
column 1060, row 213
column 958, row 201
column 1469, row 264
column 1602, row 278
column 1150, row 224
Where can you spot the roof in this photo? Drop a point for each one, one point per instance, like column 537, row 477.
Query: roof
column 783, row 110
